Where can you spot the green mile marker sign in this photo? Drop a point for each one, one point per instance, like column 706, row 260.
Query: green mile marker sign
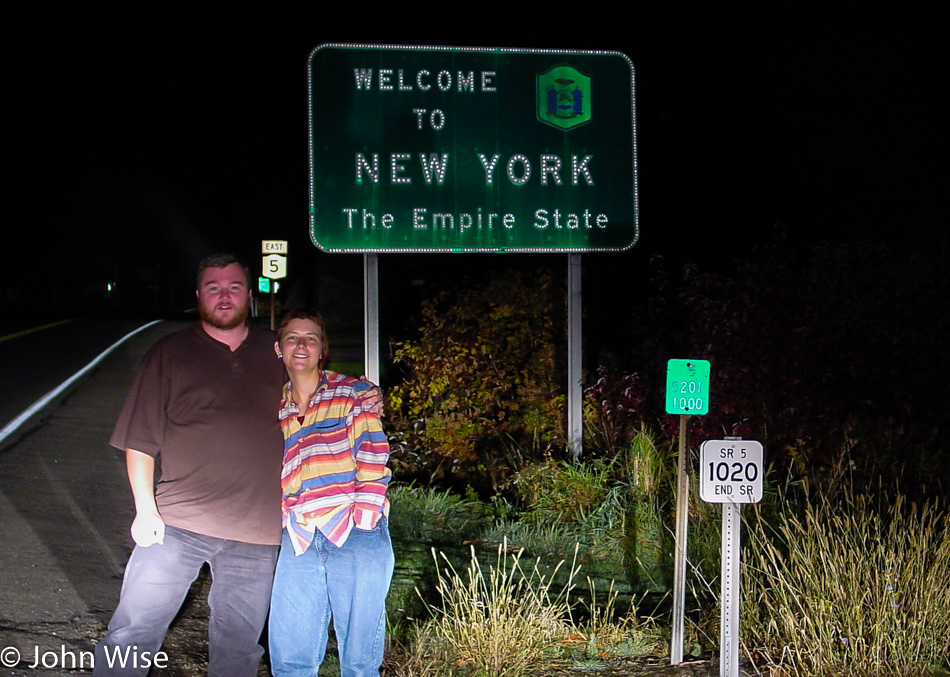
column 687, row 387
column 458, row 149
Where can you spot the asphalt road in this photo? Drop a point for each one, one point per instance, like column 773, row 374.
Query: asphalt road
column 34, row 360
column 65, row 506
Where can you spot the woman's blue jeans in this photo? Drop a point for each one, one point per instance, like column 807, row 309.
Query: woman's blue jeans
column 350, row 584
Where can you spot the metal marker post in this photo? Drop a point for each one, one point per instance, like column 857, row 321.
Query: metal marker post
column 730, row 472
column 687, row 393
column 679, row 561
column 729, row 575
column 272, row 304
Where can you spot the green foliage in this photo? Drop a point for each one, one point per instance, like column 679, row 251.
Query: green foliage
column 561, row 492
column 429, row 515
column 481, row 382
column 508, row 620
column 649, row 472
column 610, row 633
column 614, row 508
column 843, row 585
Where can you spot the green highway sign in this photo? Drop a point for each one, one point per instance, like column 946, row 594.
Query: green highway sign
column 263, row 285
column 458, row 149
column 687, row 387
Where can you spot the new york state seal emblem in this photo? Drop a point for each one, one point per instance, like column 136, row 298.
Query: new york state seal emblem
column 564, row 97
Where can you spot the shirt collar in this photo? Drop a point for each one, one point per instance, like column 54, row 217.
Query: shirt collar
column 287, row 395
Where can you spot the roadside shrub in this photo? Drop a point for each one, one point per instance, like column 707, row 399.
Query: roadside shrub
column 560, row 491
column 510, row 620
column 432, row 515
column 482, row 393
column 614, row 410
column 615, row 508
column 609, row 633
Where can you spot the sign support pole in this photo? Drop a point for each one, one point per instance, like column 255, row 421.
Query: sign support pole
column 371, row 317
column 729, row 575
column 273, row 302
column 679, row 563
column 730, row 472
column 575, row 418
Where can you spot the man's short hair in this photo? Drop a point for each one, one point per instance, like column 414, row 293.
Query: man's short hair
column 221, row 261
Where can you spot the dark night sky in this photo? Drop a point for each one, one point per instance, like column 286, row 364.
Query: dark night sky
column 168, row 132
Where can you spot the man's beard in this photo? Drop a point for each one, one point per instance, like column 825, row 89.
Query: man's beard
column 240, row 315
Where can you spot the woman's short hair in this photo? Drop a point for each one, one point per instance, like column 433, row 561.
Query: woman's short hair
column 314, row 317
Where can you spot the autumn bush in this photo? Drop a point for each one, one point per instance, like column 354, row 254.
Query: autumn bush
column 482, row 392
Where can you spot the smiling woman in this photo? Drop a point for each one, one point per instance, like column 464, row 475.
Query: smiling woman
column 302, row 345
column 336, row 558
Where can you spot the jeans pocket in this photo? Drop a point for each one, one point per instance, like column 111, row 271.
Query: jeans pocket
column 361, row 516
column 375, row 530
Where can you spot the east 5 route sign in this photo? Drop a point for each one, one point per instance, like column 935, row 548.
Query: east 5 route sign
column 459, row 149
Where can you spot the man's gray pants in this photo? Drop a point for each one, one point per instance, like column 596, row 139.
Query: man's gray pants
column 158, row 577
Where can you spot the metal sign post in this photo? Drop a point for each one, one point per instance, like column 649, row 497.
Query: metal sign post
column 371, row 316
column 575, row 395
column 729, row 596
column 687, row 392
column 679, row 559
column 730, row 473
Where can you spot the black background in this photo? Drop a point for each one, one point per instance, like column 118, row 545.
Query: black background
column 143, row 137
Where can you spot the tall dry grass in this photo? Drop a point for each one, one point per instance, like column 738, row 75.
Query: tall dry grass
column 510, row 620
column 850, row 587
column 500, row 621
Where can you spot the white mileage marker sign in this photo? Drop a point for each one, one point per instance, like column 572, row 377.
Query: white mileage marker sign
column 730, row 471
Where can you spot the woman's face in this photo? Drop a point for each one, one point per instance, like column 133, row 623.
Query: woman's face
column 300, row 347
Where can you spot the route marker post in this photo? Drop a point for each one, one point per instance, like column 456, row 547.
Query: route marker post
column 687, row 392
column 730, row 472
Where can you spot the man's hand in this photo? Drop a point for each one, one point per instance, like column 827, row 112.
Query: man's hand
column 148, row 529
column 372, row 399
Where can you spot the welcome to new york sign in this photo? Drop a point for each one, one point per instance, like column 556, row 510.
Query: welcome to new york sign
column 458, row 149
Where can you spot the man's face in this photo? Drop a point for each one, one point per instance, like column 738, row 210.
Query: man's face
column 223, row 296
